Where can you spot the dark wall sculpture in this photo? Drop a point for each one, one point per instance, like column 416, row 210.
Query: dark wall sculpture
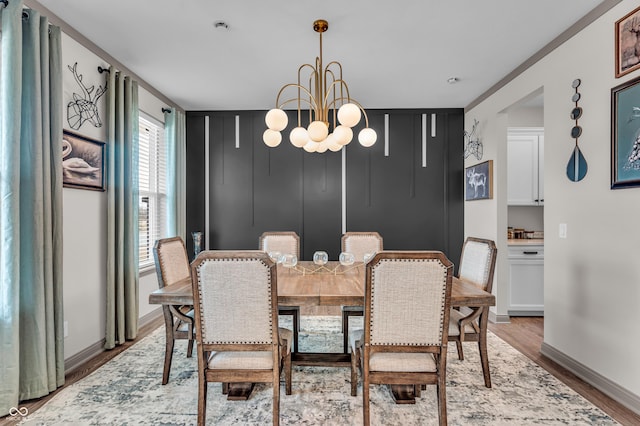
column 253, row 188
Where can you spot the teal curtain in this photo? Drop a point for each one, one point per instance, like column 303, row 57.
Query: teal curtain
column 174, row 127
column 31, row 315
column 122, row 210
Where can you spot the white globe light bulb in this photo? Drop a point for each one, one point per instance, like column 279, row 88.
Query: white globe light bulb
column 318, row 131
column 367, row 137
column 323, row 146
column 271, row 138
column 311, row 146
column 343, row 135
column 299, row 137
column 349, row 115
column 335, row 147
column 276, row 119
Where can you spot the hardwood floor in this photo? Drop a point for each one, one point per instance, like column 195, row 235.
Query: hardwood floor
column 526, row 335
column 523, row 333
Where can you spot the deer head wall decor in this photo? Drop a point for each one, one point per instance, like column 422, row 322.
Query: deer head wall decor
column 84, row 106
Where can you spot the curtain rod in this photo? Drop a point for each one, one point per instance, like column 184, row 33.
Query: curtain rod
column 5, row 2
column 166, row 110
column 100, row 69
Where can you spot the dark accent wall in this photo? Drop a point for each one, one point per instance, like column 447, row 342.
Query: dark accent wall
column 254, row 188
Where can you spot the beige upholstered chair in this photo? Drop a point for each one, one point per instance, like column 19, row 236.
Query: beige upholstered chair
column 477, row 265
column 285, row 242
column 172, row 265
column 235, row 297
column 407, row 304
column 359, row 244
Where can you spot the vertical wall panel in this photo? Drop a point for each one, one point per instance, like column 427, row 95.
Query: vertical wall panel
column 195, row 195
column 231, row 189
column 277, row 182
column 322, row 204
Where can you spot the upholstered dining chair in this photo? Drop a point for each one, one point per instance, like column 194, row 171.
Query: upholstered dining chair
column 285, row 242
column 477, row 265
column 407, row 304
column 359, row 244
column 235, row 297
column 172, row 265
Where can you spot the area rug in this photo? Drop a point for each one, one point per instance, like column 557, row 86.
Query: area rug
column 127, row 391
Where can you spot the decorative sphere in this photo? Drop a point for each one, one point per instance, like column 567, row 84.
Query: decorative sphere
column 299, row 137
column 343, row 135
column 318, row 131
column 349, row 115
column 311, row 146
column 276, row 119
column 335, row 147
column 271, row 138
column 367, row 137
column 323, row 146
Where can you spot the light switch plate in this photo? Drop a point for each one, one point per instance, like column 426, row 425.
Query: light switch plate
column 562, row 230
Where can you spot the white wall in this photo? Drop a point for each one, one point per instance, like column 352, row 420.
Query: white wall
column 85, row 215
column 592, row 278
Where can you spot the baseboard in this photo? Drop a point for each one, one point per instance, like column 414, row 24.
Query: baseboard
column 499, row 319
column 526, row 313
column 150, row 317
column 604, row 385
column 79, row 359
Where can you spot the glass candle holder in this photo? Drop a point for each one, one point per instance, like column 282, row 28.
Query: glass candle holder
column 275, row 256
column 346, row 258
column 320, row 258
column 289, row 260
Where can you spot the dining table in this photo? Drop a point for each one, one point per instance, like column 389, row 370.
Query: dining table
column 332, row 284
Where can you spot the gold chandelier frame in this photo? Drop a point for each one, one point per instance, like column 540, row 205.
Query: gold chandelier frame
column 325, row 92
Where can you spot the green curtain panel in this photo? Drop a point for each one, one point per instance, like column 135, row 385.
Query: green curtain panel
column 31, row 315
column 122, row 210
column 174, row 125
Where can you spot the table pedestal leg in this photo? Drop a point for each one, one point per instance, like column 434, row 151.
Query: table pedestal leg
column 403, row 394
column 239, row 391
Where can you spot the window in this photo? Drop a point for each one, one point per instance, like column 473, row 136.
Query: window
column 152, row 216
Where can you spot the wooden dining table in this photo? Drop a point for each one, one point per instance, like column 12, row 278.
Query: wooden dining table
column 332, row 284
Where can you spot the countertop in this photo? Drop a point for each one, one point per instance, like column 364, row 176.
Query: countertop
column 525, row 242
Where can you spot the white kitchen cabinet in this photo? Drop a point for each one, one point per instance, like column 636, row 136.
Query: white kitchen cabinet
column 526, row 280
column 525, row 167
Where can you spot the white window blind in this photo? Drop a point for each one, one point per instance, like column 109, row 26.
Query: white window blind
column 152, row 219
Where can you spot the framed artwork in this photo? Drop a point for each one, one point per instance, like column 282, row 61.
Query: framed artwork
column 625, row 135
column 628, row 43
column 479, row 181
column 82, row 162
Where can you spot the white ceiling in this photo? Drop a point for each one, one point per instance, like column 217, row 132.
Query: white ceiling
column 395, row 54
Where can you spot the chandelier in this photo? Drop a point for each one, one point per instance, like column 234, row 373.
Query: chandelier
column 326, row 95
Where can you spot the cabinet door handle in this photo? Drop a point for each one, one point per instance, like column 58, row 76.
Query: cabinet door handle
column 530, row 252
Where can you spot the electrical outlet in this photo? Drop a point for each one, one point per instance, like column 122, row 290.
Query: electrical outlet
column 66, row 329
column 562, row 230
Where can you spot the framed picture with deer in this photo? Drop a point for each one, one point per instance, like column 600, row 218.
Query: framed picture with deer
column 479, row 181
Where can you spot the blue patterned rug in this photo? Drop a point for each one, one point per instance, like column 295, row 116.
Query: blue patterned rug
column 127, row 391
